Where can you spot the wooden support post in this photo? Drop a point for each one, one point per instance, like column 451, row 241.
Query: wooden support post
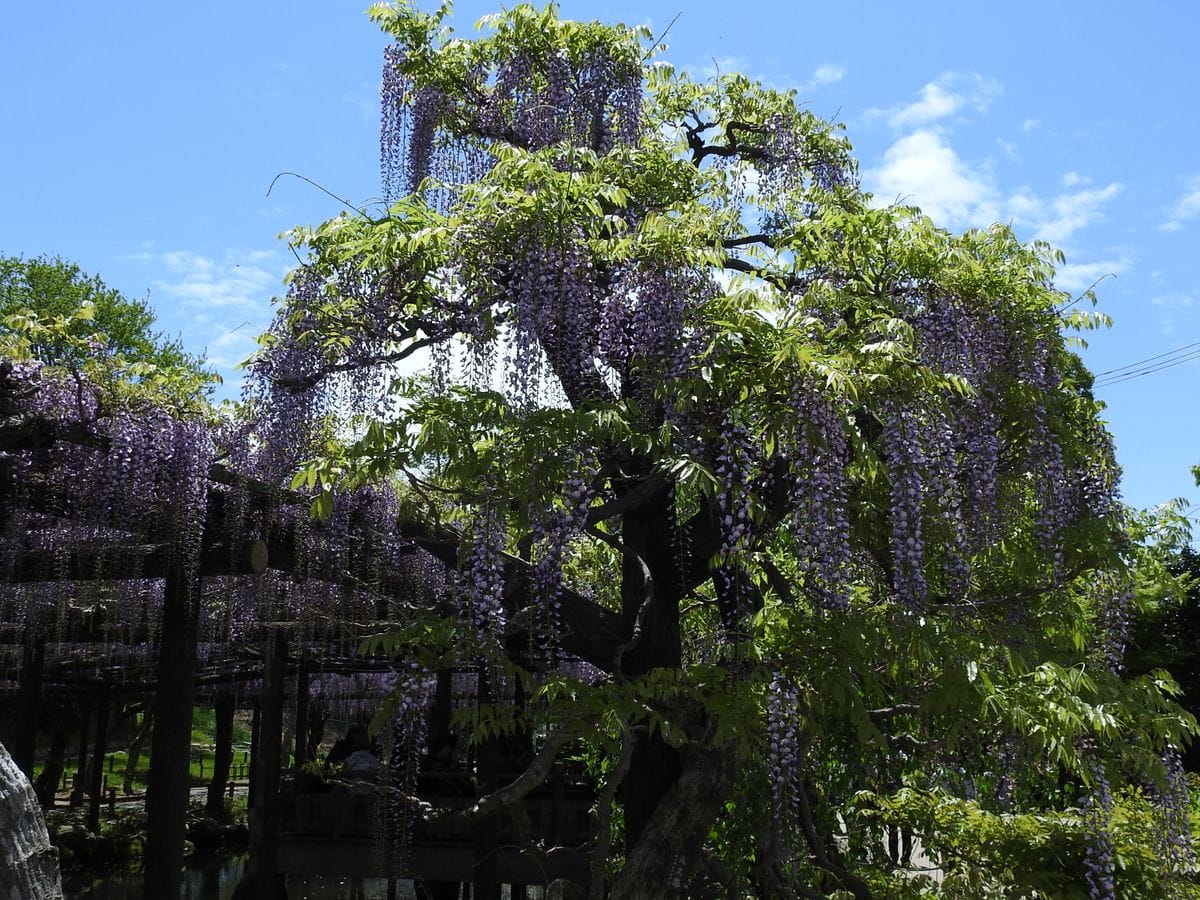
column 79, row 788
column 302, row 711
column 54, row 770
column 96, row 791
column 171, row 741
column 261, row 882
column 29, row 690
column 222, row 754
column 249, row 765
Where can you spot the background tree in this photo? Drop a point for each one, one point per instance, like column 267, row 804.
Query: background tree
column 52, row 288
column 817, row 489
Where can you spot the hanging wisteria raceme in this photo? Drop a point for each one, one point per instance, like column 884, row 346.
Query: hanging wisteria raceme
column 904, row 456
column 1057, row 506
column 734, row 457
column 943, row 483
column 643, row 318
column 1056, row 490
column 1098, row 476
column 532, row 99
column 784, row 751
column 554, row 296
column 820, row 518
column 404, row 744
column 1173, row 807
column 1099, row 863
column 282, row 384
column 483, row 588
column 536, row 102
column 354, row 697
column 978, row 429
column 1114, row 598
column 552, row 535
column 975, row 345
column 138, row 469
column 394, row 131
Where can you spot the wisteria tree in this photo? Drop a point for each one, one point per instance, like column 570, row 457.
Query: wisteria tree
column 816, row 490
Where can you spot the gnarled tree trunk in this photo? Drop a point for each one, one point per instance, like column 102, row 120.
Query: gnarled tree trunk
column 669, row 850
column 28, row 864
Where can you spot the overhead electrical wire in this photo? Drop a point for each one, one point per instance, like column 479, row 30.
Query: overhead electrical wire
column 1149, row 365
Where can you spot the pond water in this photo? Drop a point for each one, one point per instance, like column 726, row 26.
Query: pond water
column 217, row 879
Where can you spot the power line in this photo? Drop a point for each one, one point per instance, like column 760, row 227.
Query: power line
column 1138, row 373
column 1148, row 359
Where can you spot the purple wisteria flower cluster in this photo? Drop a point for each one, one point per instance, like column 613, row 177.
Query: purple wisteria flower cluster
column 784, row 750
column 1175, row 845
column 904, row 455
column 1099, row 862
column 484, row 577
column 820, row 514
column 551, row 536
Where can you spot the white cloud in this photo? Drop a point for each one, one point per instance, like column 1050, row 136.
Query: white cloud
column 1186, row 209
column 1070, row 179
column 1055, row 221
column 1081, row 276
column 952, row 93
column 365, row 99
column 827, row 74
column 1030, row 124
column 923, row 169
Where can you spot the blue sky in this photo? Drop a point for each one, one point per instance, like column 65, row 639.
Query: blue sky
column 140, row 140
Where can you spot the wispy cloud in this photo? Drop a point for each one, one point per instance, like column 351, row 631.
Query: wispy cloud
column 218, row 304
column 1176, row 311
column 365, row 99
column 1186, row 209
column 949, row 95
column 723, row 65
column 1056, row 219
column 830, row 73
column 1076, row 277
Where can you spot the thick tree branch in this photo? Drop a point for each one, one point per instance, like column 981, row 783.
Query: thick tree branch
column 628, row 501
column 590, row 631
column 498, row 800
column 859, row 888
column 781, row 280
column 297, row 385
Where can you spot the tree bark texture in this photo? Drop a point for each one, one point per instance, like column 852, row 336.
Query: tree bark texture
column 669, row 849
column 28, row 864
column 79, row 788
column 134, row 752
column 650, row 591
